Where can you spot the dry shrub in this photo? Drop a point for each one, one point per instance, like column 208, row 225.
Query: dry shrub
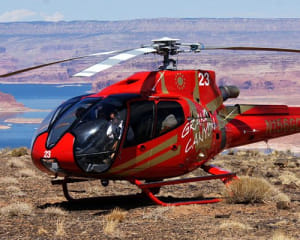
column 234, row 226
column 60, row 228
column 42, row 231
column 288, row 177
column 280, row 236
column 27, row 173
column 17, row 209
column 116, row 215
column 15, row 163
column 5, row 152
column 248, row 153
column 279, row 196
column 111, row 222
column 55, row 211
column 18, row 152
column 8, row 180
column 248, row 190
column 110, row 228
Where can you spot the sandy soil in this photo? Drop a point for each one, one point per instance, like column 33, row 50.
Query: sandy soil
column 47, row 215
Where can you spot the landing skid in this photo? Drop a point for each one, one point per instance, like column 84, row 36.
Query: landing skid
column 216, row 172
column 149, row 188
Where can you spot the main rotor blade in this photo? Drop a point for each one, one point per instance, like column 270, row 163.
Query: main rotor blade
column 56, row 62
column 111, row 61
column 252, row 49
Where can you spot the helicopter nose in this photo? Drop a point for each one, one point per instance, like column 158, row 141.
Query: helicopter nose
column 55, row 161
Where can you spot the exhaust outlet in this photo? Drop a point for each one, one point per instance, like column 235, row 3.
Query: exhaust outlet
column 229, row 92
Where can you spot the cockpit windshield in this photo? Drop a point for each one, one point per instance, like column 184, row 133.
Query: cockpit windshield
column 65, row 116
column 98, row 134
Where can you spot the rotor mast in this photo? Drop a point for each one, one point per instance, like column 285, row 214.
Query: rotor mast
column 167, row 47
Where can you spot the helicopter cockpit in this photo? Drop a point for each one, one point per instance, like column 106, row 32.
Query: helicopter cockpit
column 98, row 125
column 98, row 134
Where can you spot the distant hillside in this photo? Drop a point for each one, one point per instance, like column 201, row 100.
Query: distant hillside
column 9, row 102
column 27, row 44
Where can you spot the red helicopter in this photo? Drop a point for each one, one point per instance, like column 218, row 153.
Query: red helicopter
column 153, row 125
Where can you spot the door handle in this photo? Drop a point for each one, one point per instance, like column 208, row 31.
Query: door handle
column 142, row 147
column 174, row 147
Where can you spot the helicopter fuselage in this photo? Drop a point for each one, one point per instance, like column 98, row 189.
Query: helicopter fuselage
column 152, row 126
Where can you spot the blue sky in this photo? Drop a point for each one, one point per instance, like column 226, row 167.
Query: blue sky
column 57, row 10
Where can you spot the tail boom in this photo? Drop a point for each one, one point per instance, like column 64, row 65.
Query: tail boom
column 253, row 123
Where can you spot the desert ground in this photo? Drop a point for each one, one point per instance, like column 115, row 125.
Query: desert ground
column 31, row 208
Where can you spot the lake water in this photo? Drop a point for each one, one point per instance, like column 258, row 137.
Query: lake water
column 35, row 96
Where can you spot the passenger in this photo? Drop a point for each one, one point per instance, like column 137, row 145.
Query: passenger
column 168, row 123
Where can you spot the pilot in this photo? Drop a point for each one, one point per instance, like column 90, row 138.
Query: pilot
column 114, row 130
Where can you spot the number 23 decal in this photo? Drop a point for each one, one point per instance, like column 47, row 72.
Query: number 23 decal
column 47, row 154
column 204, row 79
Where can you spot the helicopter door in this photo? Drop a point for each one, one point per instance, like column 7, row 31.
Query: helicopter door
column 140, row 126
column 150, row 138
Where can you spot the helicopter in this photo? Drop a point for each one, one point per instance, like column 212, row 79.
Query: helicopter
column 153, row 125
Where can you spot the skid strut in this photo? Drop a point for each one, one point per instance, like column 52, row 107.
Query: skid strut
column 217, row 173
column 64, row 182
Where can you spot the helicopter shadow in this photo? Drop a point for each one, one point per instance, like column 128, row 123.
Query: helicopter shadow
column 108, row 203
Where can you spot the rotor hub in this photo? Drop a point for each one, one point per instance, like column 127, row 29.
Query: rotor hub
column 167, row 47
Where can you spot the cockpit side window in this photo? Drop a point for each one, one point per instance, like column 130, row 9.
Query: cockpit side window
column 169, row 116
column 140, row 126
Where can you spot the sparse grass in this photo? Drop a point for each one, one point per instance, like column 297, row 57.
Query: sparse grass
column 248, row 190
column 60, row 228
column 234, row 226
column 17, row 209
column 27, row 173
column 55, row 211
column 15, row 163
column 8, row 180
column 94, row 190
column 18, row 152
column 158, row 213
column 15, row 191
column 280, row 236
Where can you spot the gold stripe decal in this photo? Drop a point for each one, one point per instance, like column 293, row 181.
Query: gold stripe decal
column 196, row 93
column 142, row 157
column 164, row 157
column 214, row 104
column 163, row 83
